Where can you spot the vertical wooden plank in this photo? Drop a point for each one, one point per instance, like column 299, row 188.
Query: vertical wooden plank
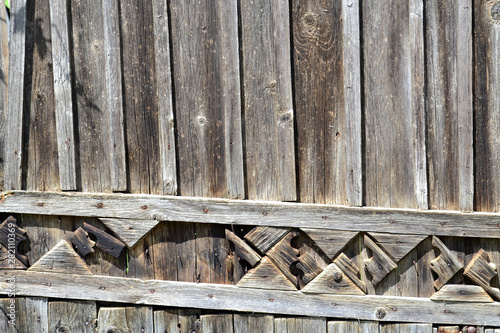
column 4, row 78
column 140, row 259
column 140, row 96
column 164, row 252
column 269, row 114
column 31, row 315
column 253, row 323
column 393, row 94
column 449, row 115
column 130, row 319
column 425, row 254
column 90, row 95
column 166, row 321
column 207, row 98
column 415, row 328
column 189, row 321
column 15, row 110
column 42, row 161
column 217, row 323
column 62, row 94
column 165, row 102
column 487, row 104
column 300, row 325
column 353, row 326
column 118, row 167
column 74, row 316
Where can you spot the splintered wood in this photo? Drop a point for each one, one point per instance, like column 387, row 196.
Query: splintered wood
column 446, row 265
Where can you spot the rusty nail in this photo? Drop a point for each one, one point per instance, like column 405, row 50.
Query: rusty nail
column 392, row 221
column 152, row 291
column 100, row 205
column 334, row 304
column 264, row 213
column 324, row 217
column 394, row 309
column 205, row 210
column 446, row 311
column 38, row 319
column 102, row 288
column 144, row 207
column 49, row 284
column 210, row 296
column 40, row 204
column 271, row 300
column 442, row 223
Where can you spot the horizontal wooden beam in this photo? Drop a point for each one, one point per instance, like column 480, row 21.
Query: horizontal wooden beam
column 247, row 212
column 225, row 297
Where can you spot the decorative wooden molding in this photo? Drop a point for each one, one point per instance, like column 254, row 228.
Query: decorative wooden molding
column 80, row 239
column 225, row 297
column 130, row 231
column 351, row 270
column 446, row 265
column 481, row 271
column 379, row 265
column 264, row 238
column 242, row 249
column 332, row 281
column 266, row 276
column 462, row 293
column 244, row 212
column 331, row 242
column 397, row 246
column 105, row 241
column 61, row 259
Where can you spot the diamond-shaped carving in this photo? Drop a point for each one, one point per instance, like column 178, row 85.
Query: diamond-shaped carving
column 446, row 265
column 331, row 242
column 379, row 265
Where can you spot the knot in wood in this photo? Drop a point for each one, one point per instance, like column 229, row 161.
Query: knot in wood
column 285, row 118
column 113, row 330
column 380, row 314
column 62, row 329
column 310, row 26
column 495, row 11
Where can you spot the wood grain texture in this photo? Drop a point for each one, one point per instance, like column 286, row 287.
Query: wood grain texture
column 82, row 242
column 446, row 265
column 300, row 325
column 379, row 265
column 327, row 101
column 189, row 321
column 461, row 293
column 168, row 163
column 264, row 238
column 395, row 159
column 449, row 104
column 349, row 268
column 242, row 249
column 130, row 231
column 266, row 276
column 166, row 321
column 129, row 319
column 352, row 326
column 481, row 272
column 396, row 246
column 74, row 316
column 207, row 98
column 240, row 212
column 4, row 79
column 330, row 242
column 111, row 25
column 31, row 315
column 105, row 241
column 15, row 108
column 406, row 328
column 269, row 114
column 224, row 297
column 61, row 259
column 217, row 323
column 332, row 281
column 140, row 97
column 487, row 105
column 253, row 323
column 61, row 60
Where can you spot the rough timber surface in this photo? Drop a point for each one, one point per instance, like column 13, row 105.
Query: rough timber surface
column 4, row 78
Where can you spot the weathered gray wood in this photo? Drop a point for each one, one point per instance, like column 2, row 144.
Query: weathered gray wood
column 352, row 91
column 253, row 323
column 62, row 94
column 332, row 281
column 397, row 246
column 226, row 297
column 449, row 104
column 130, row 231
column 351, row 270
column 15, row 110
column 189, row 321
column 395, row 156
column 74, row 316
column 267, row 86
column 207, row 98
column 446, row 265
column 380, row 264
column 242, row 249
column 61, row 259
column 486, row 105
column 481, row 271
column 217, row 323
column 448, row 329
column 4, row 78
column 300, row 325
column 461, row 293
column 206, row 210
column 118, row 166
column 406, row 328
column 264, row 238
column 330, row 242
column 130, row 319
column 166, row 321
column 353, row 326
column 165, row 104
column 31, row 315
column 266, row 276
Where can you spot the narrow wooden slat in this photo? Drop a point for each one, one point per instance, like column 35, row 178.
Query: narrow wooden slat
column 224, row 297
column 352, row 91
column 241, row 212
column 300, row 325
column 31, row 315
column 74, row 316
column 15, row 110
column 353, row 326
column 166, row 321
column 217, row 323
column 165, row 104
column 207, row 98
column 4, row 78
column 189, row 321
column 253, row 323
column 62, row 94
column 269, row 114
column 130, row 319
column 112, row 51
column 264, row 238
column 243, row 249
column 486, row 105
column 395, row 156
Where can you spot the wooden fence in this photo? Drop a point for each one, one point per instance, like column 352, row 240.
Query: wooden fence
column 335, row 159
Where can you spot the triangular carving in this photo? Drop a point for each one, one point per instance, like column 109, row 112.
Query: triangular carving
column 264, row 238
column 331, row 242
column 6, row 262
column 130, row 231
column 61, row 259
column 446, row 265
column 266, row 276
column 332, row 281
column 462, row 293
column 397, row 246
